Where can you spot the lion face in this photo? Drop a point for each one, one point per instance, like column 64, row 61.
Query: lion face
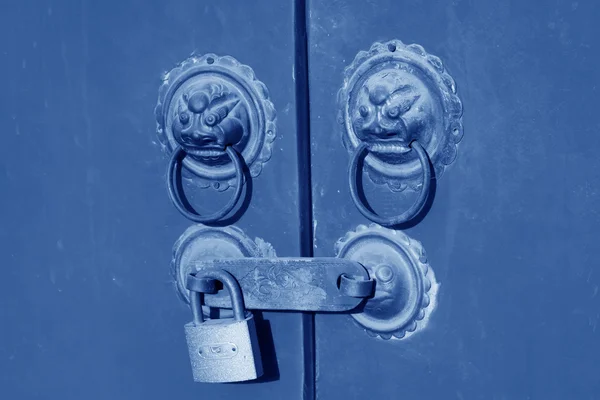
column 391, row 108
column 209, row 118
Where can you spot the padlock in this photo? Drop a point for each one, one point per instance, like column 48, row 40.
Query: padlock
column 224, row 349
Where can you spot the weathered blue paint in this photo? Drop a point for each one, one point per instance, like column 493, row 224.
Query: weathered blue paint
column 512, row 231
column 88, row 306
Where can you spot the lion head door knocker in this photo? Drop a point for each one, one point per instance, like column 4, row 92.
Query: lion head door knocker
column 216, row 119
column 400, row 111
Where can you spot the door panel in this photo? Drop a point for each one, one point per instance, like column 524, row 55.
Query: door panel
column 89, row 307
column 512, row 227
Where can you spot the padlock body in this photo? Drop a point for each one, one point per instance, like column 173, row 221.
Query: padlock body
column 224, row 350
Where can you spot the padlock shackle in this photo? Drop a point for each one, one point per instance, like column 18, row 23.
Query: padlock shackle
column 196, row 305
column 232, row 285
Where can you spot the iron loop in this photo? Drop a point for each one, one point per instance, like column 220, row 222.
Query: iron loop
column 174, row 167
column 361, row 288
column 406, row 215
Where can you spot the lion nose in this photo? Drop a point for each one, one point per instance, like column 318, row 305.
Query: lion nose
column 198, row 138
column 375, row 130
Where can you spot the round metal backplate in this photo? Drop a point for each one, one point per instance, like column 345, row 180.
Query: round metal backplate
column 208, row 102
column 406, row 289
column 200, row 242
column 392, row 95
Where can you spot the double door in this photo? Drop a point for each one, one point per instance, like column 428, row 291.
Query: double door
column 328, row 103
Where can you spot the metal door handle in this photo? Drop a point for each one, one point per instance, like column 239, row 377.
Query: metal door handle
column 406, row 215
column 176, row 197
column 216, row 120
column 397, row 100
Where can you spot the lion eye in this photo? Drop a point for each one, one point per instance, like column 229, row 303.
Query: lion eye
column 393, row 112
column 364, row 111
column 211, row 119
column 184, row 118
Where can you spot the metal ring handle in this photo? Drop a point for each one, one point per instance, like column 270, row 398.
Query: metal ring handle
column 406, row 215
column 177, row 158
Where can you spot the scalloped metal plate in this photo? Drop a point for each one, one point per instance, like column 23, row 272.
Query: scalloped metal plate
column 406, row 288
column 393, row 94
column 216, row 77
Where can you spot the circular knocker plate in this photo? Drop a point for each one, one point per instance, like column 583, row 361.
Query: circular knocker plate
column 405, row 285
column 216, row 120
column 208, row 103
column 393, row 97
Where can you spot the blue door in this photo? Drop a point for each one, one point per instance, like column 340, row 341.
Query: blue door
column 511, row 231
column 89, row 304
column 450, row 148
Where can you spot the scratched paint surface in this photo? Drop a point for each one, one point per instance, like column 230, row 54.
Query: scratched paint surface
column 88, row 306
column 512, row 231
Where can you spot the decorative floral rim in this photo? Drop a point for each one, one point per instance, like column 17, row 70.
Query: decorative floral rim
column 423, row 276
